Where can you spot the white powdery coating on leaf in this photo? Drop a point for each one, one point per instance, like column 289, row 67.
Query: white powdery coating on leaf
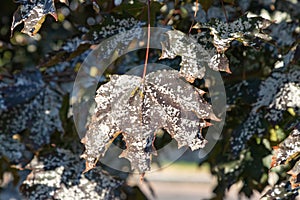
column 252, row 125
column 59, row 176
column 287, row 149
column 117, row 26
column 279, row 92
column 295, row 172
column 138, row 109
column 32, row 14
column 288, row 96
column 71, row 45
column 118, row 44
column 194, row 57
column 281, row 191
column 12, row 149
column 35, row 106
column 224, row 33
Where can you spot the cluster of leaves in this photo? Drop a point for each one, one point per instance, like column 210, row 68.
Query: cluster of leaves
column 34, row 112
column 58, row 174
column 285, row 153
column 263, row 93
column 263, row 90
column 263, row 102
column 27, row 93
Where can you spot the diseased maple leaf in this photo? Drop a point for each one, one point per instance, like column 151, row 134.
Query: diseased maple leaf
column 253, row 124
column 124, row 30
column 245, row 29
column 284, row 153
column 282, row 191
column 14, row 150
column 33, row 14
column 138, row 108
column 295, row 175
column 194, row 57
column 57, row 175
column 287, row 149
column 279, row 92
column 27, row 102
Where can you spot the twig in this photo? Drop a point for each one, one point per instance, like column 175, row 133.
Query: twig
column 195, row 14
column 148, row 44
column 223, row 7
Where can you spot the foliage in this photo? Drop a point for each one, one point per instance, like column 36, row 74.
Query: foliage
column 33, row 14
column 37, row 71
column 138, row 109
column 28, row 93
column 60, row 177
column 285, row 152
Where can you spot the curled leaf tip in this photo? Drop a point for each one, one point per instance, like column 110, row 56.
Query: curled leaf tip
column 228, row 70
column 88, row 166
column 208, row 124
column 142, row 177
column 54, row 15
column 83, row 140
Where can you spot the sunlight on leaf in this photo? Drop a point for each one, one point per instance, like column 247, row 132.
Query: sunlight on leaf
column 244, row 29
column 138, row 110
column 287, row 149
column 33, row 14
column 194, row 57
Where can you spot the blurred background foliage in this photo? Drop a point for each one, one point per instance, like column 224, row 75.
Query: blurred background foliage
column 37, row 74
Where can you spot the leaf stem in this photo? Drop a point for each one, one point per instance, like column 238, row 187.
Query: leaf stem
column 148, row 44
column 225, row 13
column 195, row 14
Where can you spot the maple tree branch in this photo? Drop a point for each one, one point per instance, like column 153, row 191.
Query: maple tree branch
column 148, row 44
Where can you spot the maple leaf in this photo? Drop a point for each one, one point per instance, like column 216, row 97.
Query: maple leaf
column 57, row 175
column 279, row 92
column 33, row 14
column 295, row 175
column 285, row 152
column 245, row 29
column 282, row 191
column 14, row 150
column 194, row 57
column 288, row 149
column 138, row 109
column 127, row 30
column 27, row 102
column 253, row 124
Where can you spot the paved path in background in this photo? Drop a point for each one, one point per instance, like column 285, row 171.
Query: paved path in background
column 184, row 183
